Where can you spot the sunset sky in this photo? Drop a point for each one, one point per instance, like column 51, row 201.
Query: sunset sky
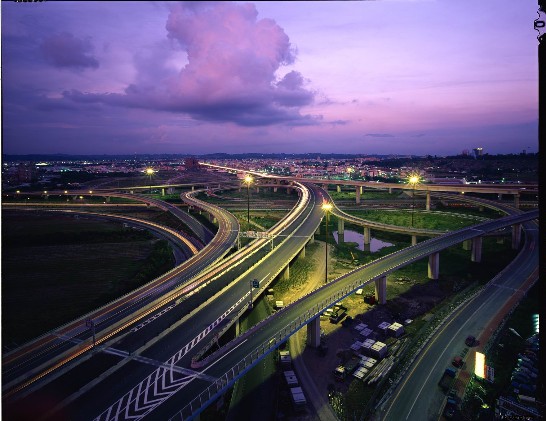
column 369, row 77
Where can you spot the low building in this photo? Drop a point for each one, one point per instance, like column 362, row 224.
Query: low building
column 396, row 330
column 379, row 350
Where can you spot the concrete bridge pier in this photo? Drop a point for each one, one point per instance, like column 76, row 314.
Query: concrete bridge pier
column 516, row 200
column 301, row 254
column 428, row 201
column 516, row 236
column 499, row 196
column 313, row 332
column 275, row 189
column 466, row 244
column 286, row 273
column 340, row 226
column 390, row 190
column 367, row 236
column 311, row 240
column 338, row 188
column 434, row 265
column 476, row 255
column 192, row 188
column 413, row 240
column 162, row 191
column 358, row 191
column 381, row 289
column 108, row 198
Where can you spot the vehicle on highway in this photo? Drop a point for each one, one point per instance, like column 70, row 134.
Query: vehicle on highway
column 457, row 362
column 447, row 379
column 470, row 341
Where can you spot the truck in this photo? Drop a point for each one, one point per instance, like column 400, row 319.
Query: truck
column 447, row 379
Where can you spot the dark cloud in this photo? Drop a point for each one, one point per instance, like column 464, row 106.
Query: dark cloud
column 230, row 74
column 64, row 50
column 379, row 135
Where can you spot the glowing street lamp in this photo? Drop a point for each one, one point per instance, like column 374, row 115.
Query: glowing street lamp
column 150, row 172
column 326, row 207
column 248, row 181
column 412, row 181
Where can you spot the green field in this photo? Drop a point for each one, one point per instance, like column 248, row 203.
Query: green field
column 442, row 221
column 56, row 268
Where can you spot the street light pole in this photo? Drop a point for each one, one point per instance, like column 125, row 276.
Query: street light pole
column 326, row 207
column 248, row 180
column 413, row 180
column 150, row 172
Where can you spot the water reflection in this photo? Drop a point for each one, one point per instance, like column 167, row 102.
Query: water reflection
column 357, row 237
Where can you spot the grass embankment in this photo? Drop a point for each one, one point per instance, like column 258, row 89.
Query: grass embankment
column 57, row 268
column 368, row 194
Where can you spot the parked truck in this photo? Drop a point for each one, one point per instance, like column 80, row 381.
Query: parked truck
column 447, row 379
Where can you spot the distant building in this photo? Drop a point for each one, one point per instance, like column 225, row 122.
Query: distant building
column 192, row 164
column 26, row 173
column 478, row 152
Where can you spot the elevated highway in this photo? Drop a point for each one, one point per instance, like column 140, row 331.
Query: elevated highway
column 48, row 353
column 180, row 341
column 236, row 358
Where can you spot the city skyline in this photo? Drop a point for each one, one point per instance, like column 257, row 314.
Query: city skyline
column 386, row 77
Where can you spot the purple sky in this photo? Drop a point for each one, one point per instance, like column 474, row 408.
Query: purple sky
column 420, row 77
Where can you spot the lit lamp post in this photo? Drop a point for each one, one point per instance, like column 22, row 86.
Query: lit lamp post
column 412, row 181
column 326, row 207
column 150, row 172
column 248, row 182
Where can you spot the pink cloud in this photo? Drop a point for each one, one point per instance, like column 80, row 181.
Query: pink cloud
column 231, row 71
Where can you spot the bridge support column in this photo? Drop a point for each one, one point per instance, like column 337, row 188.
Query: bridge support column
column 192, row 188
column 499, row 196
column 237, row 327
column 317, row 232
column 390, row 190
column 466, row 244
column 301, row 254
column 108, row 198
column 338, row 188
column 288, row 190
column 311, row 240
column 257, row 189
column 476, row 255
column 413, row 240
column 428, row 201
column 340, row 226
column 481, row 208
column 381, row 289
column 358, row 195
column 367, row 236
column 286, row 273
column 516, row 200
column 275, row 189
column 516, row 236
column 132, row 192
column 313, row 333
column 162, row 191
column 434, row 265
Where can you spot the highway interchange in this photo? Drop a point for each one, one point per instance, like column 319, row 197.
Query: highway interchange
column 195, row 315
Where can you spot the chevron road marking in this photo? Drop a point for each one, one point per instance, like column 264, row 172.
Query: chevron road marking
column 158, row 386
